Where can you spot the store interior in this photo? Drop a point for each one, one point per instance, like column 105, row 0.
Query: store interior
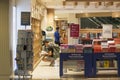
column 86, row 27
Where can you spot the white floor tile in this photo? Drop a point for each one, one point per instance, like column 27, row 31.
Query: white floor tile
column 44, row 71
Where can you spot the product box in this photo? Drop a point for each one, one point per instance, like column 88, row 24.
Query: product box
column 79, row 48
column 64, row 48
column 117, row 40
column 117, row 50
column 111, row 48
column 97, row 48
column 71, row 48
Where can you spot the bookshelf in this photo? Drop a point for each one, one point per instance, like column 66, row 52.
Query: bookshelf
column 37, row 38
column 97, row 33
column 63, row 25
column 24, row 55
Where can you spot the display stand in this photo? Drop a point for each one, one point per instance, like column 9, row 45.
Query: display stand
column 106, row 56
column 87, row 57
column 22, row 55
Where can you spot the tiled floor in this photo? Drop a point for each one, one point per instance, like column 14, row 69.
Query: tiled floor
column 44, row 72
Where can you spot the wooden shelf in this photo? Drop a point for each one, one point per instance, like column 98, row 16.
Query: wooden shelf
column 36, row 28
column 96, row 30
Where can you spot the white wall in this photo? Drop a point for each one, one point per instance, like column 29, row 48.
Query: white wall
column 15, row 9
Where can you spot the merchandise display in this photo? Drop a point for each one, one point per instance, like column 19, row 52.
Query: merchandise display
column 103, row 52
column 24, row 55
column 37, row 40
column 29, row 46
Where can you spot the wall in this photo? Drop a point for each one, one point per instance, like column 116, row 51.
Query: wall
column 5, row 59
column 22, row 6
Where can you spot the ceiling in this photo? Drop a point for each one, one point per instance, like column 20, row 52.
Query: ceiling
column 83, row 6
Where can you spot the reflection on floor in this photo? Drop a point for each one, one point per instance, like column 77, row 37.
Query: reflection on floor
column 45, row 72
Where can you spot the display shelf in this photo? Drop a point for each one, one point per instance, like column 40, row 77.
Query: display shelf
column 63, row 25
column 106, row 56
column 37, row 37
column 24, row 55
column 87, row 58
column 96, row 33
column 24, row 50
column 110, row 68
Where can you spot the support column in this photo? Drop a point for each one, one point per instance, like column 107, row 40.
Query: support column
column 5, row 55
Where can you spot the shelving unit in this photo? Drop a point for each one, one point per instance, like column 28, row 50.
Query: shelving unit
column 63, row 24
column 37, row 38
column 24, row 56
column 97, row 31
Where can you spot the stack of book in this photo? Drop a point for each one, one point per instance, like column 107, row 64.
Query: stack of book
column 117, row 44
column 79, row 48
column 64, row 48
column 71, row 48
column 104, row 46
column 97, row 48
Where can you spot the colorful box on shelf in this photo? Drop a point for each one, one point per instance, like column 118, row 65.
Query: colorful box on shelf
column 64, row 48
column 104, row 49
column 117, row 45
column 97, row 48
column 71, row 48
column 79, row 48
column 117, row 50
column 117, row 40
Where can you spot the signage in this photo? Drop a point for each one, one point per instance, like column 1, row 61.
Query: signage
column 74, row 30
column 107, row 31
column 25, row 18
column 109, row 55
column 76, row 56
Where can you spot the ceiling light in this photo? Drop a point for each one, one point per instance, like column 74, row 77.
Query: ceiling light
column 56, row 17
